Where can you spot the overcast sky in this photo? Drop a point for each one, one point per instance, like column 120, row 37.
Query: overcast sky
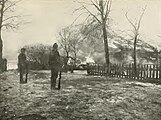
column 47, row 17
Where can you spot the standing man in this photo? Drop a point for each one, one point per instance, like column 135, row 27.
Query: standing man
column 22, row 65
column 54, row 64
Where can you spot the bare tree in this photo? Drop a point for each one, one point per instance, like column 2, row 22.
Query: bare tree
column 74, row 45
column 65, row 36
column 69, row 41
column 103, row 9
column 136, row 30
column 7, row 19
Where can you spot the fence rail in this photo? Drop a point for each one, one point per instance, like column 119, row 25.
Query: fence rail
column 146, row 71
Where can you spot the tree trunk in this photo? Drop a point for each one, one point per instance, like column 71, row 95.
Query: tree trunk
column 1, row 60
column 135, row 68
column 106, row 48
column 1, row 48
column 157, row 57
column 1, row 42
column 105, row 36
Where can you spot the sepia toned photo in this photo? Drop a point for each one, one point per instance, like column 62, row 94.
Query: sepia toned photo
column 80, row 59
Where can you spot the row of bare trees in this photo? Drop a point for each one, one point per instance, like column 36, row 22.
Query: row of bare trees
column 101, row 15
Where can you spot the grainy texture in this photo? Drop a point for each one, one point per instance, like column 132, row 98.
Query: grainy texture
column 82, row 97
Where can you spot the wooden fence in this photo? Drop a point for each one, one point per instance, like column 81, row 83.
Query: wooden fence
column 146, row 71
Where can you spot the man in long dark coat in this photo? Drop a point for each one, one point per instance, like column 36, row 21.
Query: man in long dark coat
column 54, row 64
column 22, row 65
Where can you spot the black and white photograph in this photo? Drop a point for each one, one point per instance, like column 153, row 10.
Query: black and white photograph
column 80, row 59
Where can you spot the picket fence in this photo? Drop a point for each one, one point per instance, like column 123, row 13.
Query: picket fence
column 146, row 71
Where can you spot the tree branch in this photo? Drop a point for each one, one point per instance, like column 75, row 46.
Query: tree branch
column 108, row 8
column 130, row 22
column 11, row 17
column 96, row 6
column 90, row 13
column 11, row 5
column 78, row 17
column 141, row 18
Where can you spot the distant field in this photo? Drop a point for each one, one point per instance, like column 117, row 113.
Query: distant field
column 12, row 64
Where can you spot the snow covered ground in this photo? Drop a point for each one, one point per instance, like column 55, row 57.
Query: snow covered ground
column 82, row 97
column 11, row 64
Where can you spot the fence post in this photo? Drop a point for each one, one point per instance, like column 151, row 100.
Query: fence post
column 110, row 71
column 160, row 71
column 154, row 67
column 139, row 73
column 144, row 68
column 130, row 69
column 93, row 69
column 88, row 69
column 150, row 71
column 115, row 67
column 157, row 71
column 147, row 71
column 99, row 70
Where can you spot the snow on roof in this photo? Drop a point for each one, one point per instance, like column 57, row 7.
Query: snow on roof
column 148, row 49
column 112, row 45
column 89, row 59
